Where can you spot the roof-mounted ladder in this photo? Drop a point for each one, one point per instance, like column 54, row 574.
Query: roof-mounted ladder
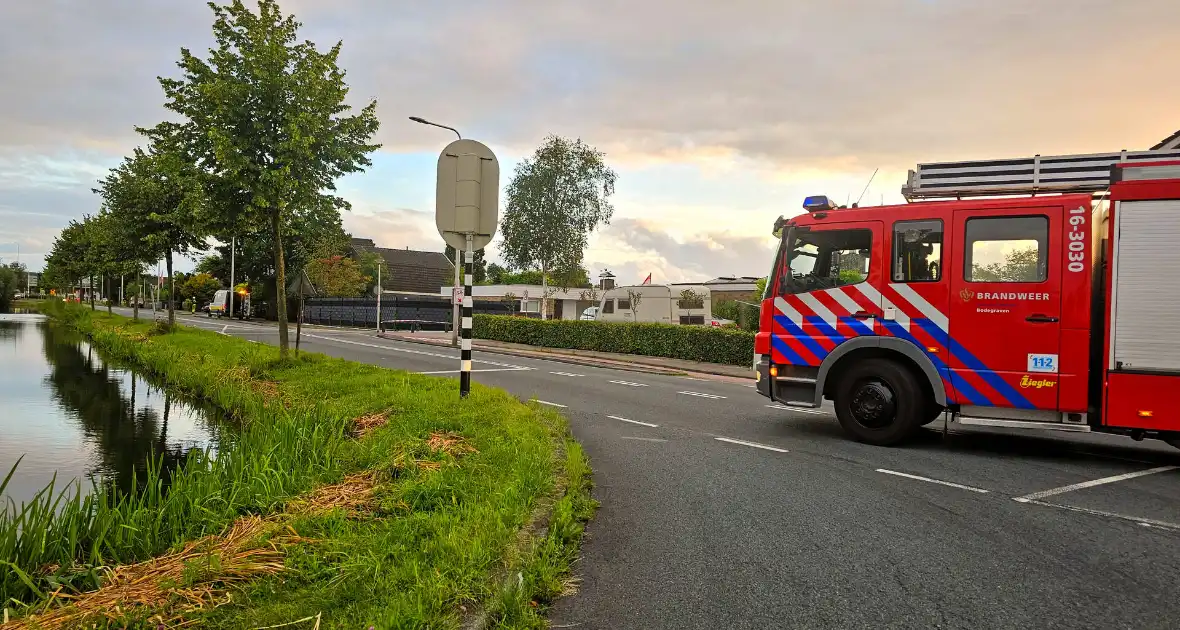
column 1024, row 176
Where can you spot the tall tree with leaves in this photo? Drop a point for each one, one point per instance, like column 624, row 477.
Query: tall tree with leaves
column 155, row 198
column 266, row 118
column 555, row 200
column 479, row 264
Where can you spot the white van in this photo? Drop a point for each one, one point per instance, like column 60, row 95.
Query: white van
column 219, row 306
column 656, row 303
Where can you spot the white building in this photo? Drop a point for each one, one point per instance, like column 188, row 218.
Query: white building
column 563, row 304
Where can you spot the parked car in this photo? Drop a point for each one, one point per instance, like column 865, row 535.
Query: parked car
column 589, row 314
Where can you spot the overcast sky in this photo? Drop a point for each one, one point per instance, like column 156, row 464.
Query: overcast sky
column 718, row 116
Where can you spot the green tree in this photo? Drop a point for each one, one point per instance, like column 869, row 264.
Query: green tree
column 200, row 287
column 9, row 285
column 761, row 288
column 1020, row 265
column 64, row 266
column 479, row 273
column 495, row 274
column 265, row 115
column 555, row 200
column 155, row 197
column 337, row 276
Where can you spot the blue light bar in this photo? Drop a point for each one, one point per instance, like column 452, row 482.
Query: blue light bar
column 816, row 203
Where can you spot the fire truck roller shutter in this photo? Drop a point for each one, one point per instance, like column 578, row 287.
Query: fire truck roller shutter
column 880, row 347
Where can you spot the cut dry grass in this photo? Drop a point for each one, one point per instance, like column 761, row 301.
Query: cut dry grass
column 449, row 443
column 167, row 591
column 366, row 424
column 353, row 495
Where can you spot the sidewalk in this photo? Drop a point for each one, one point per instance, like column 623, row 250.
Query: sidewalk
column 632, row 362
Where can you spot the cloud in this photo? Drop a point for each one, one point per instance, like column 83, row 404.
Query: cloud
column 763, row 95
column 699, row 257
column 878, row 82
column 395, row 228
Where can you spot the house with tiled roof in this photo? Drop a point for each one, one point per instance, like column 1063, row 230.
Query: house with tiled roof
column 410, row 270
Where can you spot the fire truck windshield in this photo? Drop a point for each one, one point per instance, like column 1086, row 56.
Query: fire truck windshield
column 825, row 259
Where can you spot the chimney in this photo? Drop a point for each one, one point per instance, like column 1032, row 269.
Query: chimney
column 606, row 280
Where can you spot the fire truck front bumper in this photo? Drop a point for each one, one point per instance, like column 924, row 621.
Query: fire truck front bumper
column 762, row 376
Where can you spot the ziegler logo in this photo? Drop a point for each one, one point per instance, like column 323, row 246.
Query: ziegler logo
column 1036, row 383
column 966, row 294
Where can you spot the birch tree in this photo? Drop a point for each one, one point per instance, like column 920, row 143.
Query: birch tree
column 555, row 200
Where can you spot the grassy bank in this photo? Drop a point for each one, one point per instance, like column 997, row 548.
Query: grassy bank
column 411, row 517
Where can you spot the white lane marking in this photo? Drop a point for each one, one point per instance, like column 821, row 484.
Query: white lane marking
column 814, row 412
column 1090, row 484
column 937, row 481
column 628, row 383
column 754, row 444
column 474, row 371
column 1146, row 522
column 453, row 357
column 699, row 394
column 751, row 386
column 545, row 402
column 643, row 439
column 689, row 378
column 225, row 328
column 567, row 374
column 645, row 424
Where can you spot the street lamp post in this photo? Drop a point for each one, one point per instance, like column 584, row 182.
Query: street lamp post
column 454, row 304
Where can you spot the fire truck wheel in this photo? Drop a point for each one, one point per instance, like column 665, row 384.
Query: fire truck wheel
column 880, row 402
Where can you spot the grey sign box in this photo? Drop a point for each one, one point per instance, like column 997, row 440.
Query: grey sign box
column 467, row 199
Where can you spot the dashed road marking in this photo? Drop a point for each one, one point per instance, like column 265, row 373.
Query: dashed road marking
column 645, row 424
column 643, row 439
column 700, row 395
column 753, row 444
column 1090, row 484
column 551, row 404
column 508, row 369
column 567, row 374
column 628, row 383
column 815, row 412
column 937, row 481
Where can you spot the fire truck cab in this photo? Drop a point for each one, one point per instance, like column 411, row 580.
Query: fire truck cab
column 1044, row 294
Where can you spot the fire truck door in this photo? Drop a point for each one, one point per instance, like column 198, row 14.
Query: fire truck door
column 1005, row 306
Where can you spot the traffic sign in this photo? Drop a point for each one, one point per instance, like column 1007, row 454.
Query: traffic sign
column 467, row 197
column 457, row 296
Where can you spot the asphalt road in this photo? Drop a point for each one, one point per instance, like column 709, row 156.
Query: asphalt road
column 722, row 511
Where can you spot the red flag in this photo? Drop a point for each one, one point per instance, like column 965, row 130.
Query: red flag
column 648, row 280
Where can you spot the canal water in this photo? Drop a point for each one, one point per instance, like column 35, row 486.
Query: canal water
column 69, row 410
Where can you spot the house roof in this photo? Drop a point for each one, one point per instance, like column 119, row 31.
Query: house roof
column 410, row 257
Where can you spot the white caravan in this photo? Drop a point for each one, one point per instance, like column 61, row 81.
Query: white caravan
column 656, row 303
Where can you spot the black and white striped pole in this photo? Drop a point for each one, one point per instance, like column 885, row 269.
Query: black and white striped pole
column 468, row 312
column 466, row 214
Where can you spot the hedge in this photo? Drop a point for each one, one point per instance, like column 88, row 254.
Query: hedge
column 693, row 343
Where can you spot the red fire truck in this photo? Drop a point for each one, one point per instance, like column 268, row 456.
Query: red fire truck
column 1029, row 293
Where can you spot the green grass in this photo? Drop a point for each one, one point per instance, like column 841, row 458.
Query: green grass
column 439, row 546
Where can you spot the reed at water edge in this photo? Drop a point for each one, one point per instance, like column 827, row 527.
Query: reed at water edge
column 61, row 536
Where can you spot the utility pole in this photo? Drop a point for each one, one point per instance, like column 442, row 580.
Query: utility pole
column 233, row 242
column 379, row 291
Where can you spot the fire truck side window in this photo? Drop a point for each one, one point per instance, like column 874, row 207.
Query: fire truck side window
column 1007, row 249
column 828, row 259
column 917, row 251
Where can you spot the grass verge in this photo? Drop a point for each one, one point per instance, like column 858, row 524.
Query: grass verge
column 403, row 505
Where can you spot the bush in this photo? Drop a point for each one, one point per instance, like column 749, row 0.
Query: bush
column 693, row 343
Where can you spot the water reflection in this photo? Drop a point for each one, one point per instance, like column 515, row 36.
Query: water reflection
column 71, row 411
